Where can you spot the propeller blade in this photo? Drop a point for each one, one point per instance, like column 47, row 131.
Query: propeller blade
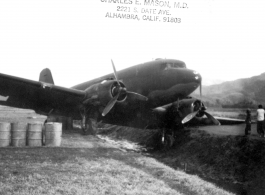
column 110, row 105
column 201, row 90
column 137, row 96
column 189, row 117
column 115, row 72
column 215, row 121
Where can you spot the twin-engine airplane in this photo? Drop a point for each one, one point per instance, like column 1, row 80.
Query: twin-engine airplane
column 149, row 95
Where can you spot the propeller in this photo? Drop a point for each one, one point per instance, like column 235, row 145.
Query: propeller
column 137, row 96
column 110, row 104
column 201, row 89
column 121, row 90
column 215, row 121
column 193, row 114
column 115, row 73
column 202, row 110
column 189, row 117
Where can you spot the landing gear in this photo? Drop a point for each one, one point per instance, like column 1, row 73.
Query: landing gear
column 167, row 140
column 88, row 126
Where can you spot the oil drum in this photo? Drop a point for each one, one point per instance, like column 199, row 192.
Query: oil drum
column 18, row 134
column 53, row 134
column 5, row 133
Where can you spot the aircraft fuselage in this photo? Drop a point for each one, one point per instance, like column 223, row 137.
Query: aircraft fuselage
column 162, row 81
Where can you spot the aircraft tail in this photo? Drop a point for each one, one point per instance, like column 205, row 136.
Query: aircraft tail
column 46, row 76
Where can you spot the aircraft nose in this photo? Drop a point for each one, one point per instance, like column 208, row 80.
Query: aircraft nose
column 197, row 77
column 192, row 76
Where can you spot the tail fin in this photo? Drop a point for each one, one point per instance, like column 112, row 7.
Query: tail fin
column 46, row 76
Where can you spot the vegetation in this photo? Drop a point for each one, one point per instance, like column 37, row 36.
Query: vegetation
column 241, row 93
column 87, row 165
column 235, row 163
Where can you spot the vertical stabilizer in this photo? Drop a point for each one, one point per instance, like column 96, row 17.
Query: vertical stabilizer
column 46, row 76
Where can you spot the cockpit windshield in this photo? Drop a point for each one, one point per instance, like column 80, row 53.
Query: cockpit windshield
column 175, row 65
column 172, row 65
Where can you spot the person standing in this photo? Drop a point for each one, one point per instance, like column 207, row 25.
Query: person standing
column 260, row 119
column 248, row 122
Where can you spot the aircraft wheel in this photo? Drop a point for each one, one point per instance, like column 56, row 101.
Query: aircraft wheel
column 89, row 127
column 92, row 127
column 169, row 141
column 84, row 129
column 166, row 142
column 84, row 126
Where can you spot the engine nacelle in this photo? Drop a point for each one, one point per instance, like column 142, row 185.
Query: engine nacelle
column 172, row 114
column 187, row 106
column 100, row 94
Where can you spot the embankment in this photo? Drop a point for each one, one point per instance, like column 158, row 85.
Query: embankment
column 235, row 163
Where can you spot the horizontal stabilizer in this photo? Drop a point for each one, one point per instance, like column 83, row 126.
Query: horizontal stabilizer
column 46, row 76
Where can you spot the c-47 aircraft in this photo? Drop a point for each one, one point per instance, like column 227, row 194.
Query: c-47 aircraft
column 149, row 95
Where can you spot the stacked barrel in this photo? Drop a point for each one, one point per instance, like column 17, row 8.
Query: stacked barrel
column 5, row 134
column 31, row 134
column 53, row 134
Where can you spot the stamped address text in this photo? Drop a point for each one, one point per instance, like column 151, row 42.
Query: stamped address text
column 146, row 10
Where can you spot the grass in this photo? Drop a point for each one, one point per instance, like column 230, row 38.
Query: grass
column 237, row 113
column 88, row 165
column 235, row 163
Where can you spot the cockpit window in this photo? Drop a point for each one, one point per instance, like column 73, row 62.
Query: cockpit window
column 170, row 65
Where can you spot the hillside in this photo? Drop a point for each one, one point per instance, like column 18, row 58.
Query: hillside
column 247, row 92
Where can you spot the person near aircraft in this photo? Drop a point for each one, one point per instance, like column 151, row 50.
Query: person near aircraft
column 260, row 119
column 248, row 122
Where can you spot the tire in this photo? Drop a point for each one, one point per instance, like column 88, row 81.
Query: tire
column 169, row 141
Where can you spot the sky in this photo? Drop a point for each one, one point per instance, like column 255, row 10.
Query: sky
column 76, row 39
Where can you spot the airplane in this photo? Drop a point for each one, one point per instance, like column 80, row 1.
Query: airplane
column 149, row 95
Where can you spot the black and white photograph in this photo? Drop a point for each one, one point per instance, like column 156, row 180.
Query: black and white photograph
column 132, row 97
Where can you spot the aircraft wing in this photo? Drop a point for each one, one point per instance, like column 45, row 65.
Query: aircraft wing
column 24, row 93
column 229, row 121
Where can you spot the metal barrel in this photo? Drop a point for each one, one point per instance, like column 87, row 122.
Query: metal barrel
column 18, row 134
column 5, row 133
column 63, row 120
column 53, row 134
column 34, row 137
